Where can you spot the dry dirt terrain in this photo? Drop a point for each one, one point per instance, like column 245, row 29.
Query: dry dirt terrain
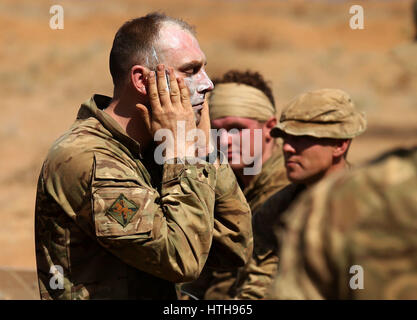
column 46, row 74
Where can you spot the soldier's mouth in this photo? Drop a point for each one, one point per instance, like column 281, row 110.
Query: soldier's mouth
column 292, row 163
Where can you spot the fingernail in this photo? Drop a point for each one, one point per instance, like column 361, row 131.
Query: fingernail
column 160, row 67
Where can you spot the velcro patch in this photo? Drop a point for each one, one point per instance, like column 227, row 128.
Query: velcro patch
column 122, row 210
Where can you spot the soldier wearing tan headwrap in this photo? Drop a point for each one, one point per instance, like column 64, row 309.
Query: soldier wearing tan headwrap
column 243, row 100
column 240, row 100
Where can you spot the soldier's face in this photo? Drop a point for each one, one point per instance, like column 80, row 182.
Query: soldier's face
column 307, row 159
column 180, row 50
column 232, row 139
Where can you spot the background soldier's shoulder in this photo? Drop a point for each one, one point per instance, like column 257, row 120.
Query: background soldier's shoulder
column 365, row 192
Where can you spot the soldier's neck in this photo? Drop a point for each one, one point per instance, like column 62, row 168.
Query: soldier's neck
column 127, row 115
column 339, row 165
column 245, row 180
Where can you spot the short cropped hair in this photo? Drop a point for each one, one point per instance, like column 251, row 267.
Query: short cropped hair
column 249, row 78
column 134, row 43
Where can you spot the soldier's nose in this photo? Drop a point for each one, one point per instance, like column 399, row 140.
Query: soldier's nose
column 287, row 147
column 206, row 85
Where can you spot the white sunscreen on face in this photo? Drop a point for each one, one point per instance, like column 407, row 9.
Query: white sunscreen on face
column 194, row 97
column 154, row 55
column 198, row 84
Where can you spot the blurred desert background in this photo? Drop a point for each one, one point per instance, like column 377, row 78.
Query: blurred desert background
column 46, row 74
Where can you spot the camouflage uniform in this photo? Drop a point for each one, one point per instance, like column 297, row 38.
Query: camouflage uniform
column 271, row 179
column 255, row 278
column 326, row 113
column 122, row 227
column 366, row 217
column 233, row 99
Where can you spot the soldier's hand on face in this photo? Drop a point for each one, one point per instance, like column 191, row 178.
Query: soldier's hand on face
column 205, row 126
column 169, row 108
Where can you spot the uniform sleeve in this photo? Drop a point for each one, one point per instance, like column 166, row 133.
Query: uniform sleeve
column 166, row 234
column 232, row 235
column 350, row 237
column 306, row 270
column 255, row 278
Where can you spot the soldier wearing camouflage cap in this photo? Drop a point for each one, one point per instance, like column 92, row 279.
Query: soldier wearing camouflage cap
column 354, row 235
column 317, row 128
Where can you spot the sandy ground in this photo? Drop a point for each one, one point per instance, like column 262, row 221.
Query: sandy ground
column 298, row 45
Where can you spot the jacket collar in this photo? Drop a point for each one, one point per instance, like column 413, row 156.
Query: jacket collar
column 94, row 107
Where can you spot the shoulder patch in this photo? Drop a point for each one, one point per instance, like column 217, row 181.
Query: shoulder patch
column 122, row 210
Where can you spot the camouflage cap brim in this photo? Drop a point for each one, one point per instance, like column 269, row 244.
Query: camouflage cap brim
column 276, row 132
column 324, row 113
column 334, row 130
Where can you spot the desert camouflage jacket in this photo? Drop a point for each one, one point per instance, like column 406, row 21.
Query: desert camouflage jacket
column 221, row 284
column 272, row 179
column 112, row 224
column 256, row 277
column 354, row 235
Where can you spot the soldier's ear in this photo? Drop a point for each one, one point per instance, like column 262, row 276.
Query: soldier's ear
column 138, row 78
column 268, row 125
column 341, row 148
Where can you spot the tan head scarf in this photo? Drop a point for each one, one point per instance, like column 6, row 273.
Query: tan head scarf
column 239, row 100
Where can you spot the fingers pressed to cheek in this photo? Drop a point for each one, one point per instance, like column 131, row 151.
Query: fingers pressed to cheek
column 172, row 79
column 162, row 87
column 182, row 86
column 153, row 92
column 184, row 92
column 175, row 91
